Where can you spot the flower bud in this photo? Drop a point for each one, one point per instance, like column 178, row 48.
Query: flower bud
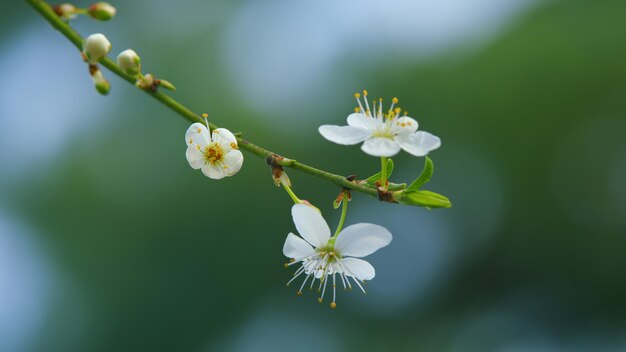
column 102, row 85
column 129, row 62
column 96, row 47
column 66, row 11
column 102, row 11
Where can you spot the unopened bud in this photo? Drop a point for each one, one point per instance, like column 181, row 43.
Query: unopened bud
column 129, row 62
column 66, row 11
column 102, row 11
column 102, row 85
column 96, row 47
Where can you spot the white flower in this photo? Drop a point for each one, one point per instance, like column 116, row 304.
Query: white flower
column 323, row 256
column 384, row 133
column 129, row 62
column 217, row 155
column 95, row 47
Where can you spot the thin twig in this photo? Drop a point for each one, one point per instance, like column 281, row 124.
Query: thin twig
column 49, row 15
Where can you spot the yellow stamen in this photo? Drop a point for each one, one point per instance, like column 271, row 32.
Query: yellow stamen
column 395, row 100
column 333, row 305
column 364, row 93
column 205, row 115
column 357, row 95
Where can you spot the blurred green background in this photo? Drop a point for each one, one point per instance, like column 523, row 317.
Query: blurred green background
column 109, row 241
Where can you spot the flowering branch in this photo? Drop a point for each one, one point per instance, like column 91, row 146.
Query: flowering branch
column 382, row 193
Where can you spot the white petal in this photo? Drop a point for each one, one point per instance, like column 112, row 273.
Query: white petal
column 194, row 157
column 232, row 162
column 418, row 143
column 403, row 125
column 213, row 171
column 362, row 239
column 296, row 248
column 363, row 121
column 358, row 268
column 310, row 224
column 197, row 134
column 380, row 146
column 346, row 135
column 225, row 139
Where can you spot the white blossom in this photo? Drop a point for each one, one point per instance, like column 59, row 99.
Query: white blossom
column 216, row 154
column 384, row 133
column 323, row 257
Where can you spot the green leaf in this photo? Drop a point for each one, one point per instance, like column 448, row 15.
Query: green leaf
column 375, row 177
column 427, row 173
column 425, row 199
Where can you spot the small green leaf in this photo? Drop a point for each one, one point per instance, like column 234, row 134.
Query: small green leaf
column 375, row 177
column 425, row 199
column 427, row 173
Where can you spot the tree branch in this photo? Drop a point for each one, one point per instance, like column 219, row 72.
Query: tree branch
column 49, row 15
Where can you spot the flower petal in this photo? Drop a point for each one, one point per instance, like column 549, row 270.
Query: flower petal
column 346, row 135
column 418, row 143
column 403, row 125
column 296, row 248
column 363, row 121
column 310, row 224
column 362, row 239
column 194, row 157
column 213, row 171
column 225, row 139
column 358, row 268
column 197, row 134
column 232, row 162
column 380, row 146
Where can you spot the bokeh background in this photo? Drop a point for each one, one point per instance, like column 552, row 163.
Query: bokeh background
column 109, row 241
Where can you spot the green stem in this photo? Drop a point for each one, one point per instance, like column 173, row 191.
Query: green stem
column 48, row 14
column 293, row 196
column 383, row 172
column 344, row 211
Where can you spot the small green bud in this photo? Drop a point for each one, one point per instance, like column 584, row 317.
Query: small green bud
column 423, row 198
column 65, row 11
column 129, row 62
column 96, row 47
column 102, row 11
column 102, row 85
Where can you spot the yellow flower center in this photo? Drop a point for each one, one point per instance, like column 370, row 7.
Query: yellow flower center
column 213, row 153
